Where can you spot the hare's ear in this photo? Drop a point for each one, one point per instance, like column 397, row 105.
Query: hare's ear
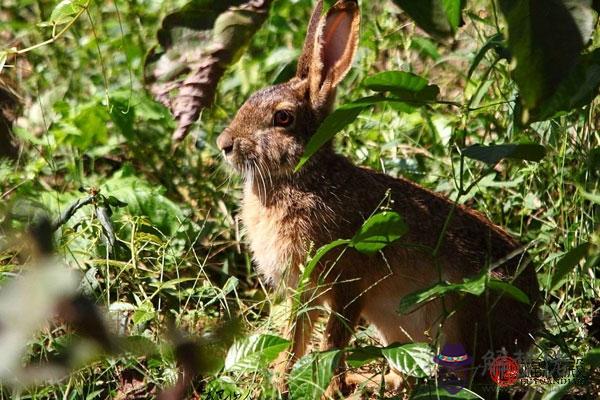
column 309, row 43
column 333, row 52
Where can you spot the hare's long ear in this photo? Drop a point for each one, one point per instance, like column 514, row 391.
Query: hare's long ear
column 333, row 52
column 309, row 43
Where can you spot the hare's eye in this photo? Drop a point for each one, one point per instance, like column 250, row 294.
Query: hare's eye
column 283, row 118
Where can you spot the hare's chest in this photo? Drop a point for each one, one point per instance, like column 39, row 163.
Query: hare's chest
column 275, row 245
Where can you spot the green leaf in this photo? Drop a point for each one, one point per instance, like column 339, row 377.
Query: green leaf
column 114, row 202
column 545, row 38
column 319, row 254
column 123, row 115
column 254, row 352
column 359, row 356
column 144, row 313
column 439, row 18
column 453, row 10
column 494, row 153
column 66, row 10
column 334, row 123
column 426, row 46
column 475, row 286
column 145, row 199
column 566, row 264
column 414, row 359
column 494, row 42
column 576, row 90
column 405, row 86
column 378, row 231
column 342, row 117
column 312, row 374
column 509, row 289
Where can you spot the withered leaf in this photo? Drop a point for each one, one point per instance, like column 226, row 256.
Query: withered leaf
column 196, row 45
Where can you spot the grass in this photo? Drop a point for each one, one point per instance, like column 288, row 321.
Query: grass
column 180, row 272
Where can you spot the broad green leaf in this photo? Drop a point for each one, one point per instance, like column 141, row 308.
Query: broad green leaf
column 576, row 90
column 378, row 231
column 312, row 374
column 494, row 153
column 114, row 202
column 145, row 199
column 334, row 123
column 509, row 289
column 66, row 10
column 453, row 10
column 359, row 356
column 475, row 286
column 567, row 263
column 545, row 38
column 254, row 352
column 144, row 313
column 405, row 86
column 439, row 18
column 414, row 359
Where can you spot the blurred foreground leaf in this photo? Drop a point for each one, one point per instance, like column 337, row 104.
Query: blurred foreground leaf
column 546, row 38
column 26, row 303
column 439, row 18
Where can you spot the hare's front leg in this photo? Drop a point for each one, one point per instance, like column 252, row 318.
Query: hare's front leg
column 340, row 327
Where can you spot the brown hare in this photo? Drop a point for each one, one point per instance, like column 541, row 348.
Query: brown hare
column 286, row 214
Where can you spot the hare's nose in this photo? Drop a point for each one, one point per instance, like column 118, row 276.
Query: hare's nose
column 225, row 142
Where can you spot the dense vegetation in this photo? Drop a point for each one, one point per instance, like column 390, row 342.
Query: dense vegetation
column 164, row 282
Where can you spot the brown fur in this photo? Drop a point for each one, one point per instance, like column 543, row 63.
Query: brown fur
column 286, row 213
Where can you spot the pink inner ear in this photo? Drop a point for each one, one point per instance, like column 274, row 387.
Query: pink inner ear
column 335, row 39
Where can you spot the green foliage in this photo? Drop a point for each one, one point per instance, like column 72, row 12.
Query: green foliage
column 437, row 17
column 312, row 373
column 474, row 286
column 254, row 352
column 379, row 231
column 519, row 82
column 546, row 39
column 414, row 359
column 404, row 86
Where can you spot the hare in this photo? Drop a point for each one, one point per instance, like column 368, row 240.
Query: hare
column 287, row 213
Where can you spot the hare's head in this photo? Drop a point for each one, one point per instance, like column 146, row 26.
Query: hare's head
column 271, row 129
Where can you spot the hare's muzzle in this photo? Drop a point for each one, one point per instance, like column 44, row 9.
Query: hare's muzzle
column 225, row 142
